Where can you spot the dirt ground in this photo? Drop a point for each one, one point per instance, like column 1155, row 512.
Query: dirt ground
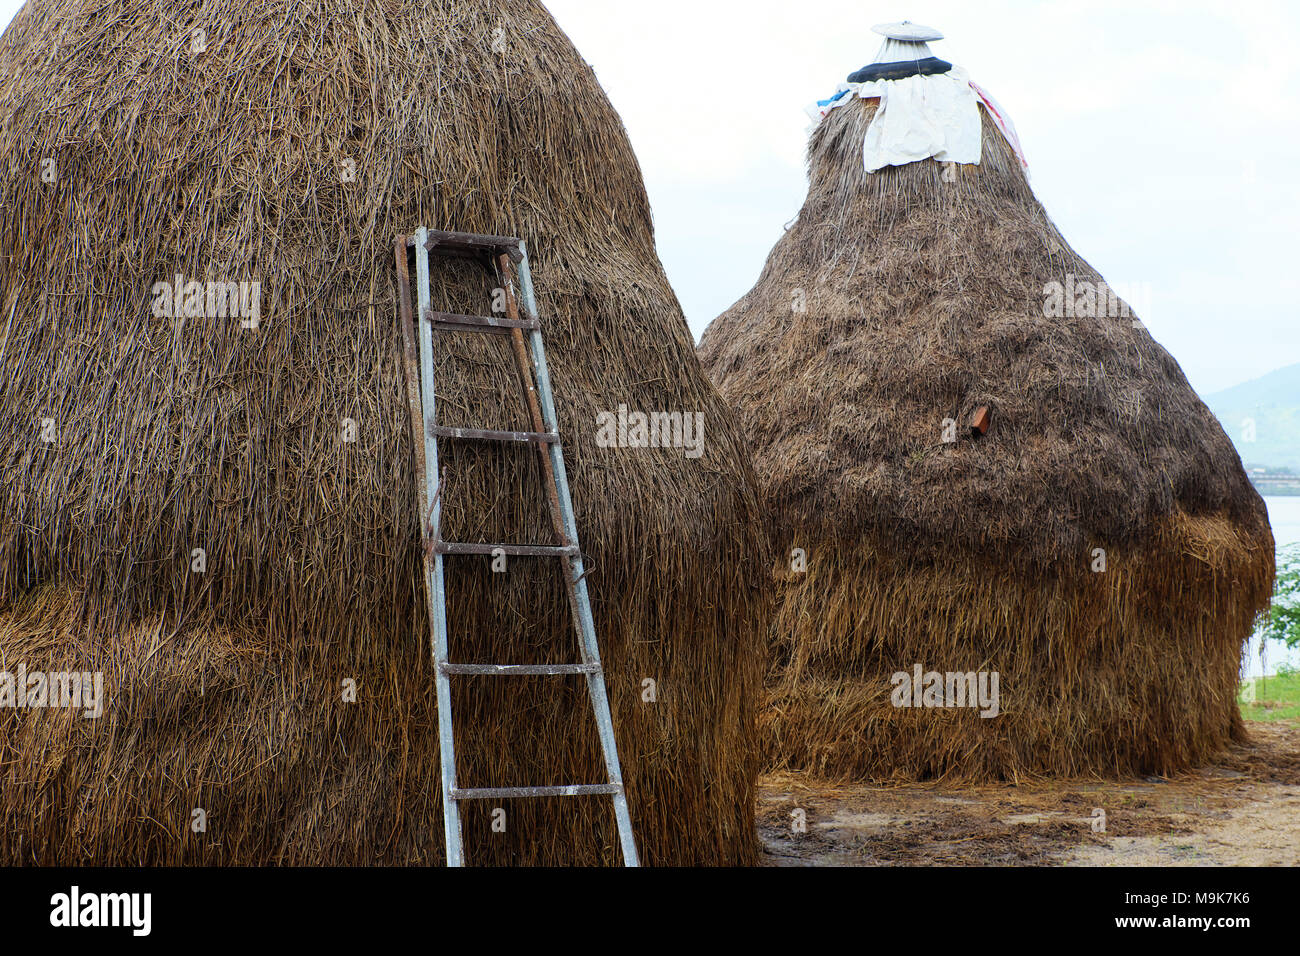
column 1242, row 810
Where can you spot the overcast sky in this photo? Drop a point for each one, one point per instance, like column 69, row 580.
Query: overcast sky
column 1163, row 137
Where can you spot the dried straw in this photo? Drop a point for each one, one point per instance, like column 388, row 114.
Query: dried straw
column 225, row 687
column 925, row 290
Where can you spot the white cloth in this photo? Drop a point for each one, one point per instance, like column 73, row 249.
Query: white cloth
column 923, row 117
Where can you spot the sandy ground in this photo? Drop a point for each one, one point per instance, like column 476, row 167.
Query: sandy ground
column 1242, row 810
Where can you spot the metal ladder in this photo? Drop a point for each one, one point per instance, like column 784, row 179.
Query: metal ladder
column 497, row 252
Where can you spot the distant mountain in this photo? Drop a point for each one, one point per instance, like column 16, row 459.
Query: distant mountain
column 1262, row 417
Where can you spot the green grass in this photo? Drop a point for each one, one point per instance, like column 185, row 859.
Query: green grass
column 1271, row 698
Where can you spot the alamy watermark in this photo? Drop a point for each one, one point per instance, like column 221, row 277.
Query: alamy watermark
column 211, row 300
column 41, row 689
column 629, row 429
column 1082, row 298
column 923, row 688
column 75, row 908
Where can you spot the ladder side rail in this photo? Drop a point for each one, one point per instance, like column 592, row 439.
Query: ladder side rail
column 437, row 583
column 531, row 403
column 532, row 406
column 591, row 649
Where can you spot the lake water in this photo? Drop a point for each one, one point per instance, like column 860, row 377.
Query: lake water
column 1284, row 516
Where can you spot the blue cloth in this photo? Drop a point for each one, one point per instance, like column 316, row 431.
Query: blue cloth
column 834, row 99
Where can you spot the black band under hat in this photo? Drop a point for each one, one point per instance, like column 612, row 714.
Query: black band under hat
column 900, row 70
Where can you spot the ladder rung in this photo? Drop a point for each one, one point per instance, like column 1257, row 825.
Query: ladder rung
column 454, row 322
column 443, row 243
column 577, row 790
column 520, row 670
column 514, row 550
column 487, row 434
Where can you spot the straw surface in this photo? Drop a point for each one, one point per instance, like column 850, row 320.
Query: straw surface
column 897, row 306
column 235, row 163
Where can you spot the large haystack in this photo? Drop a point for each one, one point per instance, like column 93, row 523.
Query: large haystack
column 230, row 156
column 925, row 289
